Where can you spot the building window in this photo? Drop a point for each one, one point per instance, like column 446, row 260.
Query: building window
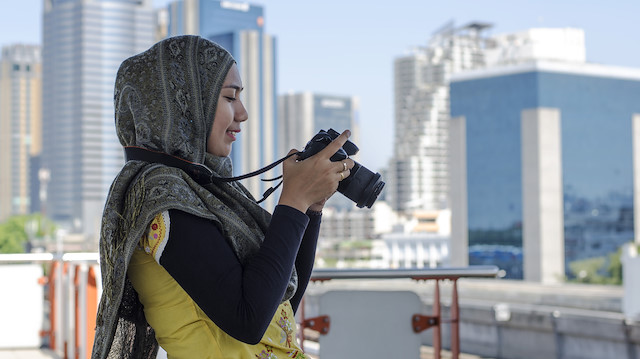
column 16, row 67
column 27, row 68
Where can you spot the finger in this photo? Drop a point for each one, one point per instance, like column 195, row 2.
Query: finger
column 335, row 145
column 345, row 165
column 344, row 174
column 292, row 158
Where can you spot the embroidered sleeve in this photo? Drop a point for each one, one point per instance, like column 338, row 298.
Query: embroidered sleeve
column 157, row 236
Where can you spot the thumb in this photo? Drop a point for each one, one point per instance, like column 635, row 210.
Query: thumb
column 292, row 158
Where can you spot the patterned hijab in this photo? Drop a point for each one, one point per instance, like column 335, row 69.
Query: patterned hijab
column 165, row 100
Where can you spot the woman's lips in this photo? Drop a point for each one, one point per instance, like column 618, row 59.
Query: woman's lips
column 232, row 134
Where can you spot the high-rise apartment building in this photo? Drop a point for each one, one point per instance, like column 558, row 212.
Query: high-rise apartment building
column 545, row 161
column 84, row 42
column 239, row 28
column 418, row 172
column 551, row 44
column 20, row 126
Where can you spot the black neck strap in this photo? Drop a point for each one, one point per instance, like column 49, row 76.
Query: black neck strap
column 199, row 172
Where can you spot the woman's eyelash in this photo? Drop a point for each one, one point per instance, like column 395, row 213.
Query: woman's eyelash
column 230, row 98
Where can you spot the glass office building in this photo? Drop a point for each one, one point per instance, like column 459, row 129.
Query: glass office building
column 544, row 164
column 84, row 42
column 302, row 115
column 239, row 28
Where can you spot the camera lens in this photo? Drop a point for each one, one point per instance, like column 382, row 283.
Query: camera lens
column 362, row 186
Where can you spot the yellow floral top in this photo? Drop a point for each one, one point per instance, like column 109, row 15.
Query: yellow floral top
column 181, row 327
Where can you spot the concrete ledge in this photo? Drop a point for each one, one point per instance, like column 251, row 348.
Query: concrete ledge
column 532, row 329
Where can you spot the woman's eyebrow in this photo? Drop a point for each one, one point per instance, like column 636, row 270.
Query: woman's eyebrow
column 236, row 87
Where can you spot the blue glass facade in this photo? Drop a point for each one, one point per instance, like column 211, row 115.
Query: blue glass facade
column 216, row 19
column 332, row 112
column 238, row 27
column 597, row 168
column 335, row 112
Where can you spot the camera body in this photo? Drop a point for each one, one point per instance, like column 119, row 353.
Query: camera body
column 362, row 186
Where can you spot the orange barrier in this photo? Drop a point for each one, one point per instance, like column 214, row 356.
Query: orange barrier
column 72, row 316
column 86, row 309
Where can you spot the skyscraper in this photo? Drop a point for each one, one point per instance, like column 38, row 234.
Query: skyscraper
column 545, row 164
column 302, row 115
column 418, row 172
column 84, row 42
column 20, row 126
column 239, row 27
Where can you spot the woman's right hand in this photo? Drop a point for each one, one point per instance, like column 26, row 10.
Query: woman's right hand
column 316, row 178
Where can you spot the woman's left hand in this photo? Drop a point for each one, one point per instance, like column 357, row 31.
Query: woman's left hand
column 318, row 206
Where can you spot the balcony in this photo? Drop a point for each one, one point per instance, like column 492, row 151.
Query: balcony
column 427, row 313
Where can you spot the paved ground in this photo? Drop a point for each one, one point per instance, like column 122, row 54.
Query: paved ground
column 425, row 353
column 27, row 354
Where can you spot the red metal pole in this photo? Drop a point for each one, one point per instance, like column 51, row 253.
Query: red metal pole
column 437, row 343
column 53, row 281
column 455, row 322
column 92, row 309
column 78, row 325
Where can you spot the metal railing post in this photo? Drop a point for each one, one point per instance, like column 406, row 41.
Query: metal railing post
column 80, row 286
column 437, row 330
column 60, row 318
column 92, row 309
column 70, row 302
column 455, row 321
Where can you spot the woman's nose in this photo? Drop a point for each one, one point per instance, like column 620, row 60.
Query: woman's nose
column 242, row 114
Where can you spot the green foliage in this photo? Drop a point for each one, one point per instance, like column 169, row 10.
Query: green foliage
column 615, row 267
column 588, row 270
column 17, row 230
column 598, row 270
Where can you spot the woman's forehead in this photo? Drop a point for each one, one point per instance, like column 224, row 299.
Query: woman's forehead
column 233, row 79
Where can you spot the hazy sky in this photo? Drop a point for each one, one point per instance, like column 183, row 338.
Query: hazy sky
column 347, row 47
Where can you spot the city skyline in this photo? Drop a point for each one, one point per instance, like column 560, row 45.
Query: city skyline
column 354, row 55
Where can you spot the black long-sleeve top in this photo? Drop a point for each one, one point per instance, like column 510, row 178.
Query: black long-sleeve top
column 241, row 299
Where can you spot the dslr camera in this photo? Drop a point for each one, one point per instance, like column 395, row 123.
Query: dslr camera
column 362, row 186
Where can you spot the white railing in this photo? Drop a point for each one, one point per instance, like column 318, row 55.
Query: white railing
column 73, row 292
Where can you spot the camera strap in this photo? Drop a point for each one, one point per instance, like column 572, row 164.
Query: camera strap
column 199, row 172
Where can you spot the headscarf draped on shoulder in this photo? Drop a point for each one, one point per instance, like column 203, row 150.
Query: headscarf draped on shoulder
column 165, row 100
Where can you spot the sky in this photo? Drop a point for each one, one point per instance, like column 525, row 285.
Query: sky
column 347, row 47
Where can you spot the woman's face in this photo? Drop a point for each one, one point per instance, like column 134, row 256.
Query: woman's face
column 229, row 113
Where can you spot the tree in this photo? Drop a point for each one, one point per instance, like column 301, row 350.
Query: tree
column 13, row 235
column 13, row 232
column 598, row 270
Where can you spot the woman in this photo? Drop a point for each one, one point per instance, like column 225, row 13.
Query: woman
column 201, row 269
